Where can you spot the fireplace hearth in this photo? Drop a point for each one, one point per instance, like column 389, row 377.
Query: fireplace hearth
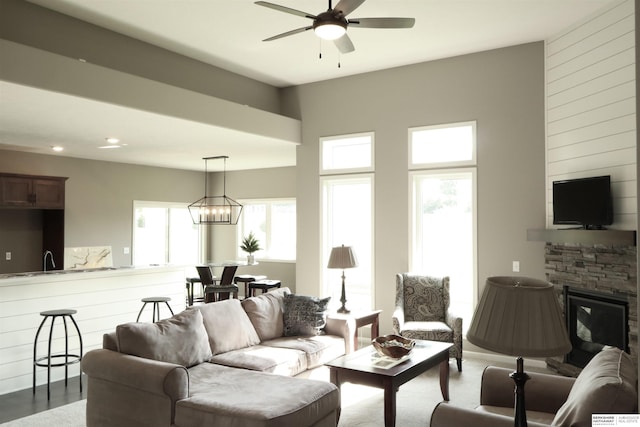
column 594, row 320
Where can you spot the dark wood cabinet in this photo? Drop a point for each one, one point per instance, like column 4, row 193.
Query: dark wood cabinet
column 31, row 192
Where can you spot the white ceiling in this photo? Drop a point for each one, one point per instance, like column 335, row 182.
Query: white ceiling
column 228, row 34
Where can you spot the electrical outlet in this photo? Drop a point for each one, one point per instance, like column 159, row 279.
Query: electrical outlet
column 516, row 266
column 7, row 256
column 126, row 251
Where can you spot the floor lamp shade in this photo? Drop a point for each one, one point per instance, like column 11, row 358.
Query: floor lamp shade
column 519, row 316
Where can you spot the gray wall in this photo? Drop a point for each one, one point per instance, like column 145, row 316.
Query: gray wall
column 502, row 89
column 99, row 205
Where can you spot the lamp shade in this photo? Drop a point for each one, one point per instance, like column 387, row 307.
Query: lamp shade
column 342, row 257
column 519, row 316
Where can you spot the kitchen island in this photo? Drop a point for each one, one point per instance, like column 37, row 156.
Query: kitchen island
column 103, row 297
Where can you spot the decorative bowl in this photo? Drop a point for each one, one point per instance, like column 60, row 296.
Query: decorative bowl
column 393, row 346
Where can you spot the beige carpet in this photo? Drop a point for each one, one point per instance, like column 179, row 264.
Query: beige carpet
column 361, row 406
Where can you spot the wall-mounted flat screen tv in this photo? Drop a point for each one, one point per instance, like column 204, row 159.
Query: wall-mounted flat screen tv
column 585, row 202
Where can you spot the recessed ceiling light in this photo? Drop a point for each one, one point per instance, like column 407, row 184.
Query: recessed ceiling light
column 112, row 140
column 110, row 146
column 57, row 148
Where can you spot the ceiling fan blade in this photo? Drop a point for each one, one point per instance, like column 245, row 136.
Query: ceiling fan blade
column 383, row 22
column 348, row 6
column 288, row 33
column 285, row 9
column 344, row 44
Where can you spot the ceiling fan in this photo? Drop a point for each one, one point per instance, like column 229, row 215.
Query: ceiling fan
column 332, row 24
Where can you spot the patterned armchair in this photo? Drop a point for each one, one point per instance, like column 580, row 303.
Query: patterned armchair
column 422, row 312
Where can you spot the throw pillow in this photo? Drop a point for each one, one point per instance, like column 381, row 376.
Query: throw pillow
column 181, row 339
column 265, row 313
column 605, row 386
column 304, row 315
column 228, row 326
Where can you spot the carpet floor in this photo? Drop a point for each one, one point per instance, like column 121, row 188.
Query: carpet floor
column 361, row 406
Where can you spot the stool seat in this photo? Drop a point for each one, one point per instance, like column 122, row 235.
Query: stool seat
column 61, row 312
column 155, row 317
column 47, row 361
column 265, row 285
column 246, row 279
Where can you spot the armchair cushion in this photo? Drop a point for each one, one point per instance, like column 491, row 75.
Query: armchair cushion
column 423, row 298
column 434, row 331
column 606, row 385
column 181, row 339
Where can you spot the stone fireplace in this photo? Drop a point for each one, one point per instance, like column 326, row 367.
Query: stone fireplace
column 593, row 320
column 588, row 272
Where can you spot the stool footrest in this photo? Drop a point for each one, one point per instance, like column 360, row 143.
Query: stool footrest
column 75, row 358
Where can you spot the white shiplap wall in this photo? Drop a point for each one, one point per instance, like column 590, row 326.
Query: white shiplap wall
column 591, row 107
column 103, row 300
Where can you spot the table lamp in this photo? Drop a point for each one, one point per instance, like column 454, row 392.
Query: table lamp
column 342, row 257
column 519, row 316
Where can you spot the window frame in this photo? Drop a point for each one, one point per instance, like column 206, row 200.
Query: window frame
column 340, row 171
column 331, row 288
column 167, row 250
column 443, row 165
column 241, row 232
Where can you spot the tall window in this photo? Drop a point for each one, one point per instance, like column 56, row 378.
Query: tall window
column 273, row 222
column 347, row 215
column 443, row 225
column 164, row 233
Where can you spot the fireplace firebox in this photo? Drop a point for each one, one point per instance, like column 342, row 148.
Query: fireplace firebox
column 594, row 320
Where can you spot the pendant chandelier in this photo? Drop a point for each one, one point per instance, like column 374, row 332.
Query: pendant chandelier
column 211, row 210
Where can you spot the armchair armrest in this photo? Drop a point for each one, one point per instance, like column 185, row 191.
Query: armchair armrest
column 448, row 415
column 342, row 327
column 397, row 319
column 543, row 392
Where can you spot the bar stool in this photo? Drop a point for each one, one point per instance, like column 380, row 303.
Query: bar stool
column 69, row 358
column 265, row 285
column 246, row 279
column 156, row 307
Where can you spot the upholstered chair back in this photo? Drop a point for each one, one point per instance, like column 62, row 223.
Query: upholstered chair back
column 426, row 298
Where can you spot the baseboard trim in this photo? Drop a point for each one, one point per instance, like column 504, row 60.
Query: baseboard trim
column 501, row 358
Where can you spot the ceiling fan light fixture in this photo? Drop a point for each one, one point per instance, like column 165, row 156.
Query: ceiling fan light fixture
column 330, row 30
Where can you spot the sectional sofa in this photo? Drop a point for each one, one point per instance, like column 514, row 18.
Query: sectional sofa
column 228, row 363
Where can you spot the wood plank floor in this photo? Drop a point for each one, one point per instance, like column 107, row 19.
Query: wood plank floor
column 23, row 402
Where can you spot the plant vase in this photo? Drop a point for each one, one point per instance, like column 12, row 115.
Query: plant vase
column 250, row 259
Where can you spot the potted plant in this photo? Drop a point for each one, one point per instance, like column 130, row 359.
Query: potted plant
column 250, row 245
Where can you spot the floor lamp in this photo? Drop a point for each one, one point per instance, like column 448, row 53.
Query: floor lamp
column 342, row 257
column 519, row 316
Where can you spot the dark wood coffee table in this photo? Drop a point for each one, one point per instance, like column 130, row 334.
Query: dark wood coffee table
column 358, row 368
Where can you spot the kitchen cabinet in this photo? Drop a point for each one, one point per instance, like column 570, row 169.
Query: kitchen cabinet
column 31, row 192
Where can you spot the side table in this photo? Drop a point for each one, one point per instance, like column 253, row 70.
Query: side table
column 361, row 318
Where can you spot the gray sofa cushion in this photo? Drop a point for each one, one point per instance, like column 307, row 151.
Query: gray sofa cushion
column 281, row 361
column 181, row 339
column 304, row 315
column 319, row 349
column 227, row 325
column 222, row 396
column 265, row 312
column 607, row 385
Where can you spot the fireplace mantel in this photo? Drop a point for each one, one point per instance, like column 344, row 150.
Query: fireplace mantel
column 590, row 237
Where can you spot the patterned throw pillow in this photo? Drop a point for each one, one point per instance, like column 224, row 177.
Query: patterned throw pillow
column 304, row 315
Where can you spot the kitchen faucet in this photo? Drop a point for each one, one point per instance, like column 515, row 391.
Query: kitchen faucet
column 44, row 261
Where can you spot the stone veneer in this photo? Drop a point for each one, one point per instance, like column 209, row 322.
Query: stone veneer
column 602, row 268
